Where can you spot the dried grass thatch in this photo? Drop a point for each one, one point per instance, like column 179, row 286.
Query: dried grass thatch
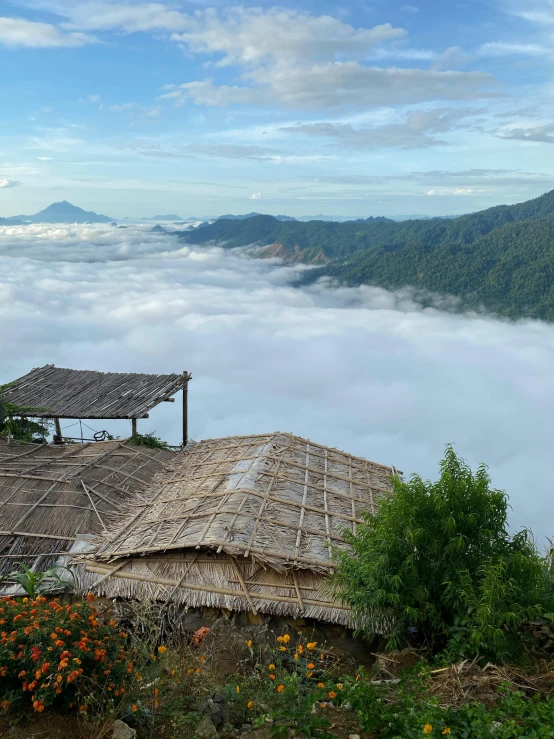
column 243, row 523
column 54, row 498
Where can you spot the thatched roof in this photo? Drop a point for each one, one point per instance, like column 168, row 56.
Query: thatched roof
column 243, row 523
column 57, row 392
column 53, row 496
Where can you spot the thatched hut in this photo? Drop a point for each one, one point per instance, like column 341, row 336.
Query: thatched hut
column 242, row 523
column 56, row 499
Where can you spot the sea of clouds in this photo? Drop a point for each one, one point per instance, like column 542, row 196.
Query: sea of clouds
column 365, row 370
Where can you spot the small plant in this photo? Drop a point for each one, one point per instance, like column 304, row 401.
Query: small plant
column 38, row 583
column 149, row 440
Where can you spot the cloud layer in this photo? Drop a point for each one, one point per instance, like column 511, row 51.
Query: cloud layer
column 363, row 369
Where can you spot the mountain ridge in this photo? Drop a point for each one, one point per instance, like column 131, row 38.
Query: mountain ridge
column 498, row 259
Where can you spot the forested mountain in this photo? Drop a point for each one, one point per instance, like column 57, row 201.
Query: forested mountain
column 501, row 258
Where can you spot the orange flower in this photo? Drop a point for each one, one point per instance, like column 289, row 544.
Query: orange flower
column 310, row 666
column 296, row 657
column 311, row 645
column 250, row 704
column 271, row 666
column 91, row 597
column 300, row 649
column 280, row 639
column 286, row 638
column 332, row 694
column 272, row 677
column 321, row 685
column 323, row 705
column 134, row 707
column 280, row 688
column 202, row 659
column 427, row 729
column 162, row 649
column 282, row 649
column 249, row 643
column 6, row 704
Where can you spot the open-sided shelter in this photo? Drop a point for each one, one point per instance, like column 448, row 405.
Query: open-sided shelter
column 57, row 392
column 55, row 500
column 242, row 523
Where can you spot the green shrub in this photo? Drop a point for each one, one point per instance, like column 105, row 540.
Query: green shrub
column 149, row 440
column 438, row 556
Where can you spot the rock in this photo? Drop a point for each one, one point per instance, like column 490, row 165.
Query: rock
column 122, row 731
column 217, row 709
column 353, row 736
column 206, row 729
column 264, row 732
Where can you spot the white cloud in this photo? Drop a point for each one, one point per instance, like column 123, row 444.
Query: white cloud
column 18, row 32
column 335, row 85
column 4, row 183
column 502, row 48
column 416, row 131
column 431, row 192
column 463, row 191
column 256, row 196
column 121, row 108
column 361, row 369
column 543, row 134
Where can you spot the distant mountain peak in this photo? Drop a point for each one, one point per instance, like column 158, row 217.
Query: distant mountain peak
column 65, row 212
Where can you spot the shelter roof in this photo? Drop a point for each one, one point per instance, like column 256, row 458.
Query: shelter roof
column 52, row 496
column 280, row 499
column 57, row 392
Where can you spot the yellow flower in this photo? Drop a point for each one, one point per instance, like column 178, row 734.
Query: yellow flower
column 280, row 639
column 202, row 658
column 296, row 657
column 282, row 649
column 272, row 666
column 309, row 674
column 311, row 645
column 250, row 704
column 286, row 638
column 300, row 648
column 339, row 686
column 447, row 730
column 237, row 689
column 280, row 688
column 162, row 649
column 249, row 643
column 427, row 729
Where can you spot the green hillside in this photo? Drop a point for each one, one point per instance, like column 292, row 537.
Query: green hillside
column 501, row 258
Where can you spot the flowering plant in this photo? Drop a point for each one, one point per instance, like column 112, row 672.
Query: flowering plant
column 57, row 652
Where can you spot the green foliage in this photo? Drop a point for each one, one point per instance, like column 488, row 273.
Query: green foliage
column 38, row 583
column 149, row 440
column 438, row 556
column 501, row 258
column 18, row 422
column 405, row 711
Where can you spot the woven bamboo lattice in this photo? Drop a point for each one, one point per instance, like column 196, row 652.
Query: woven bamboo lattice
column 52, row 496
column 57, row 392
column 243, row 523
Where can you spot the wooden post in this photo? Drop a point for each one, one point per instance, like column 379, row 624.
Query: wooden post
column 133, row 427
column 186, row 378
column 58, row 438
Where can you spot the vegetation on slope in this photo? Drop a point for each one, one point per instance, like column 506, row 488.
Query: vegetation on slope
column 500, row 258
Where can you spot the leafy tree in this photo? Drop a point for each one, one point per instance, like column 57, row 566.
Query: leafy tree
column 19, row 423
column 438, row 556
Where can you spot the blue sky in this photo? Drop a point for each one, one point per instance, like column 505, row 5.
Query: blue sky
column 360, row 108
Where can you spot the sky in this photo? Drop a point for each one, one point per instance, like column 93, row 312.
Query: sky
column 360, row 369
column 202, row 108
